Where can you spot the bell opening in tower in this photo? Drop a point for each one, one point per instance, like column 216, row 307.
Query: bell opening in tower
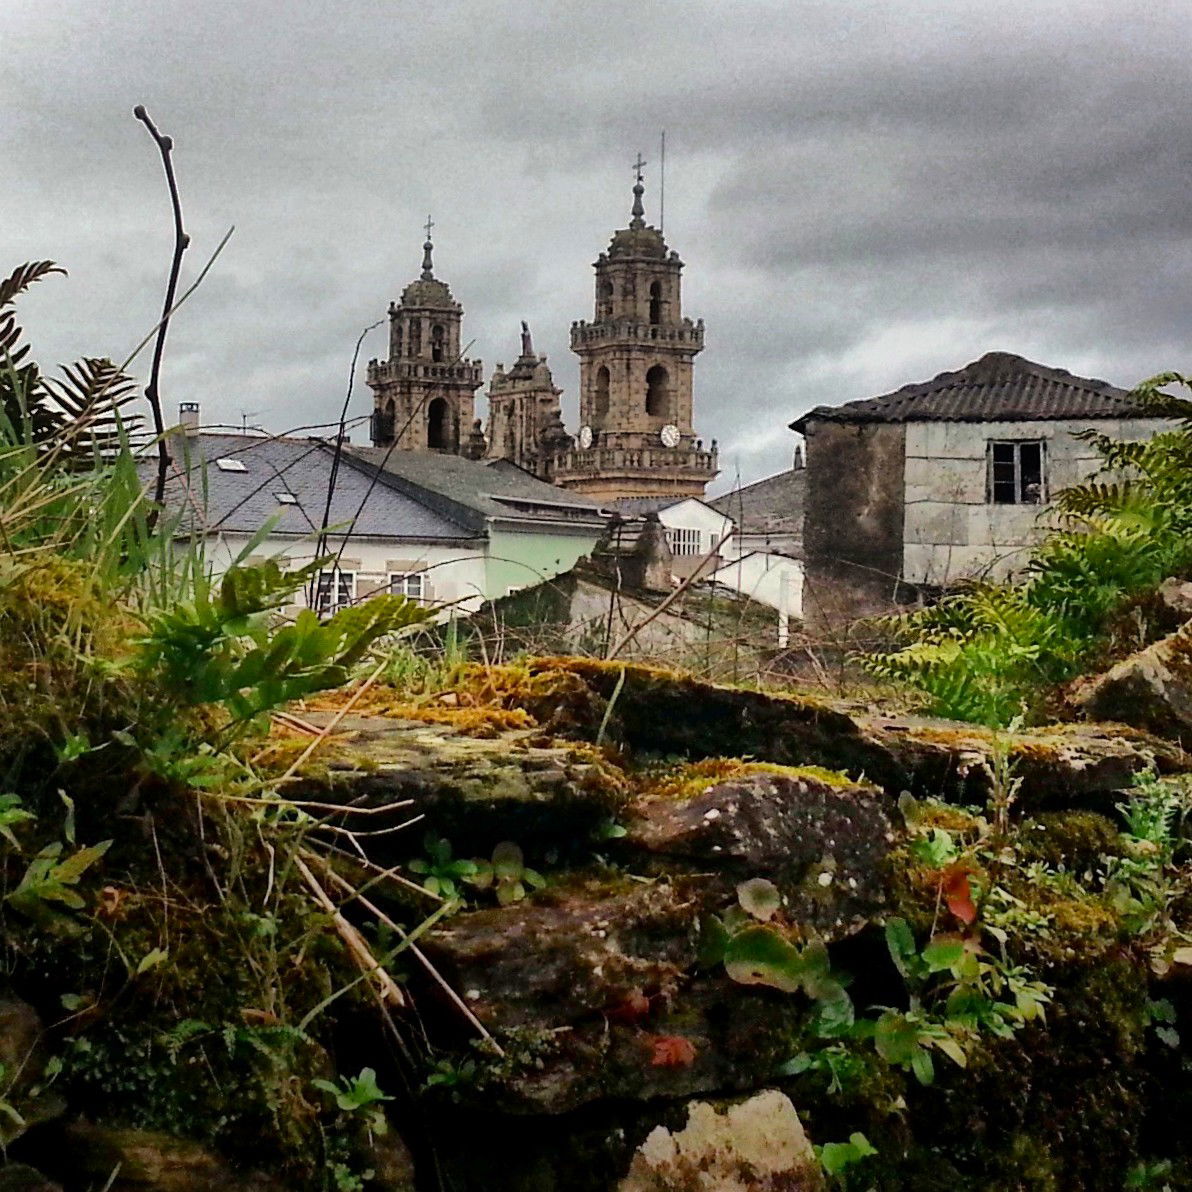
column 604, row 300
column 436, row 343
column 438, row 425
column 600, row 406
column 656, row 303
column 658, row 392
column 415, row 338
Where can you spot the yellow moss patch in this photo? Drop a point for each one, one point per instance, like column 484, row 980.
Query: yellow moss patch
column 933, row 814
column 687, row 781
column 483, row 702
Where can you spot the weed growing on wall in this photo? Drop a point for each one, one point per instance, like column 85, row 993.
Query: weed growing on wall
column 991, row 652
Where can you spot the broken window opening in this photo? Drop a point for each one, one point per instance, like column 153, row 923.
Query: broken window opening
column 1016, row 472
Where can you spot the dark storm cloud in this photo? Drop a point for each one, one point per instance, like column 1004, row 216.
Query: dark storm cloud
column 864, row 194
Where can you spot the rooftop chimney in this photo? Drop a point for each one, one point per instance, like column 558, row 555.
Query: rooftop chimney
column 188, row 417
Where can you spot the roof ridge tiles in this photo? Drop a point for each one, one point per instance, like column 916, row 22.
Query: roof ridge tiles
column 991, row 388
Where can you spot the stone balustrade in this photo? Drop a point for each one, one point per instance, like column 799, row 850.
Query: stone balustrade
column 396, row 370
column 686, row 460
column 585, row 335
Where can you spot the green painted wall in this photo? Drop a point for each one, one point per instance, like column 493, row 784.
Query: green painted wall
column 519, row 560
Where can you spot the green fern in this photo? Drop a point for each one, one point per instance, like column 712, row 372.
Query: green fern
column 989, row 652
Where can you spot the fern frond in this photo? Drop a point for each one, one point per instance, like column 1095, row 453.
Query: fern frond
column 1151, row 396
column 23, row 276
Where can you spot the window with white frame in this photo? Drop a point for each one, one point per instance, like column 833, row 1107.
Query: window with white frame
column 410, row 584
column 1017, row 472
column 335, row 590
column 684, row 542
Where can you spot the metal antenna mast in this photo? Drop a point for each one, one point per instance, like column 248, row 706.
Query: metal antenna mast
column 662, row 184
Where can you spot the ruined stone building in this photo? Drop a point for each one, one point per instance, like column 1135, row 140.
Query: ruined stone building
column 945, row 480
column 637, row 435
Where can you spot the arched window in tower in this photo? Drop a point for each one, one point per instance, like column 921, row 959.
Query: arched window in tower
column 656, row 302
column 438, row 425
column 436, row 343
column 658, row 392
column 600, row 404
column 415, row 338
column 604, row 300
column 395, row 344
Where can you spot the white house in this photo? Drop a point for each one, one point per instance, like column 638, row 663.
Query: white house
column 443, row 530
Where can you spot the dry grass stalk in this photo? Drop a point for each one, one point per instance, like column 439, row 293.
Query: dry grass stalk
column 388, row 991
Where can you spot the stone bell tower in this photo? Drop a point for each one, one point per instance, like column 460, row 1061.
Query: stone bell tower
column 524, row 422
column 423, row 395
column 637, row 437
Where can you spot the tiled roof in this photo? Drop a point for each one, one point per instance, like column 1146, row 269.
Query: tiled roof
column 998, row 387
column 241, row 501
column 471, row 492
column 771, row 506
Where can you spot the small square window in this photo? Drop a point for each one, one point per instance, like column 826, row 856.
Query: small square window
column 228, row 464
column 410, row 584
column 285, row 498
column 1017, row 472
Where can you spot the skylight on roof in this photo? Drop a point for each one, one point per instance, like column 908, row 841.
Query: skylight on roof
column 226, row 463
column 286, row 498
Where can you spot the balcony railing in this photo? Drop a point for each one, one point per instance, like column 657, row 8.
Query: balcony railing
column 685, row 460
column 687, row 334
column 397, row 370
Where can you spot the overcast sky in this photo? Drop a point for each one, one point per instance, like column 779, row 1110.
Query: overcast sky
column 864, row 193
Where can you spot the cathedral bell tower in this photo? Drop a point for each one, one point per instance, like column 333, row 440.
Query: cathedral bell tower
column 637, row 437
column 423, row 395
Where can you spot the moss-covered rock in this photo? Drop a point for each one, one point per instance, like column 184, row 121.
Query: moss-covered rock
column 821, row 839
column 1151, row 689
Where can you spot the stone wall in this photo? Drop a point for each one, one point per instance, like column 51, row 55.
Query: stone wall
column 853, row 522
column 951, row 529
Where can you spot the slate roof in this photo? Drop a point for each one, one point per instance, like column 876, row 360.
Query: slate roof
column 998, row 387
column 772, row 506
column 471, row 492
column 241, row 502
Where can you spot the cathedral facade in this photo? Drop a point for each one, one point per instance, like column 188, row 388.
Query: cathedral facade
column 636, row 437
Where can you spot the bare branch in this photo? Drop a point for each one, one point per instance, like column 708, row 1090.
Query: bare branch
column 181, row 243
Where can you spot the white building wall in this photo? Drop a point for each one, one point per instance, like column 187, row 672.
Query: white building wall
column 705, row 525
column 455, row 574
column 951, row 530
column 776, row 580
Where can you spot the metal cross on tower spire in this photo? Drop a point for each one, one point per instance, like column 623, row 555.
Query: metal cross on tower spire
column 638, row 190
column 427, row 269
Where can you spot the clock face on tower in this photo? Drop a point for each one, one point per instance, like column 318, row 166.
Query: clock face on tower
column 585, row 437
column 669, row 435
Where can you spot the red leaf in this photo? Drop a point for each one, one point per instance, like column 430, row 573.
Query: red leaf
column 672, row 1051
column 958, row 894
column 633, row 1007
